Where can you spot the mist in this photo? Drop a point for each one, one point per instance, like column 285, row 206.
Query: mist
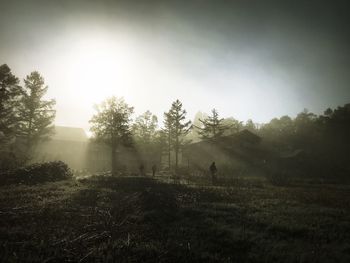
column 164, row 131
column 251, row 60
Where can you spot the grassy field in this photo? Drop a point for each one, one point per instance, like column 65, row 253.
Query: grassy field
column 132, row 219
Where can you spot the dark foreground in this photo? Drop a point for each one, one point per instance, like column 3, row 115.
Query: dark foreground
column 141, row 220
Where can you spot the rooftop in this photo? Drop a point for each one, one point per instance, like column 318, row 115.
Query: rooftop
column 69, row 134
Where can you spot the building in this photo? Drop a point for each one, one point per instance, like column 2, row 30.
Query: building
column 235, row 152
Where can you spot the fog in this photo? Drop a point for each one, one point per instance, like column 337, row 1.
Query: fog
column 250, row 60
column 174, row 131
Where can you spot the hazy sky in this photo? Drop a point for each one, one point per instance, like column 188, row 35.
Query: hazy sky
column 249, row 58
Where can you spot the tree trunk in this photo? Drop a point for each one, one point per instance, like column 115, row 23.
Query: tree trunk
column 169, row 152
column 176, row 157
column 113, row 160
column 29, row 140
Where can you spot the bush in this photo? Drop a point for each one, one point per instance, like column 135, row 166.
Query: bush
column 38, row 173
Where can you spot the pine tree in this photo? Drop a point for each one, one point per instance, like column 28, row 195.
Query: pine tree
column 179, row 128
column 167, row 132
column 10, row 93
column 36, row 114
column 212, row 126
column 111, row 125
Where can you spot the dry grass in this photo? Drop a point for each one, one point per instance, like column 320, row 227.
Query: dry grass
column 131, row 219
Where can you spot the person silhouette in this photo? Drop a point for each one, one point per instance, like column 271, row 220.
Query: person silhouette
column 154, row 169
column 213, row 170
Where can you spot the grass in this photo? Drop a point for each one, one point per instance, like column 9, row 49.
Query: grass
column 133, row 219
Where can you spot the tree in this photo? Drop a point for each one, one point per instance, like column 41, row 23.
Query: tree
column 233, row 125
column 10, row 93
column 144, row 131
column 167, row 133
column 36, row 114
column 111, row 125
column 144, row 128
column 212, row 126
column 179, row 128
column 250, row 125
column 193, row 134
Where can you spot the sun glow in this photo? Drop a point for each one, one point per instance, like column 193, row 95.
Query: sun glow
column 88, row 67
column 99, row 67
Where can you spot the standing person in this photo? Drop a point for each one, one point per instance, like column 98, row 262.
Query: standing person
column 154, row 169
column 213, row 170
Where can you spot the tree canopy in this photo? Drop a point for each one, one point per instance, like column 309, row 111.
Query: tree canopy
column 35, row 113
column 212, row 127
column 112, row 125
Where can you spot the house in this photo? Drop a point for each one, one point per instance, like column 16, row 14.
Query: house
column 234, row 152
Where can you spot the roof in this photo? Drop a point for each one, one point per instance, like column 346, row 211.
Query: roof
column 69, row 134
column 242, row 136
column 247, row 136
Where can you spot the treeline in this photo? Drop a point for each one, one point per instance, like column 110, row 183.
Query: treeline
column 324, row 139
column 112, row 125
column 26, row 118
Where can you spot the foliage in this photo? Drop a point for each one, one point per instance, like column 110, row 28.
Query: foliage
column 212, row 127
column 148, row 140
column 145, row 127
column 37, row 173
column 323, row 138
column 10, row 93
column 233, row 126
column 178, row 127
column 111, row 125
column 167, row 132
column 36, row 114
column 250, row 125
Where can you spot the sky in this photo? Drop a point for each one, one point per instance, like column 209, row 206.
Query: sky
column 246, row 58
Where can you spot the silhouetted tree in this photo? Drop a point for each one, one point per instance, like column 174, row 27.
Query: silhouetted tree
column 167, row 133
column 10, row 93
column 160, row 144
column 145, row 136
column 179, row 127
column 250, row 125
column 111, row 125
column 144, row 128
column 193, row 134
column 35, row 113
column 212, row 127
column 233, row 125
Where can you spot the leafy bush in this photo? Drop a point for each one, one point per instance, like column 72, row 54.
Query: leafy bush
column 38, row 173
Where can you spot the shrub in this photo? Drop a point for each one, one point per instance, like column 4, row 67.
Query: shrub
column 38, row 173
